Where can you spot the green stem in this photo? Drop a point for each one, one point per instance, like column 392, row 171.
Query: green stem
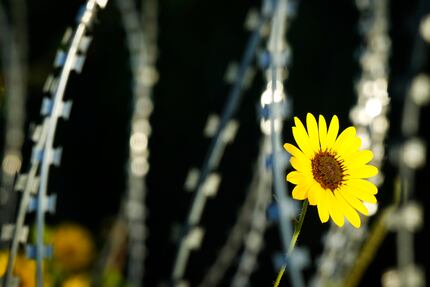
column 298, row 226
column 293, row 241
column 279, row 277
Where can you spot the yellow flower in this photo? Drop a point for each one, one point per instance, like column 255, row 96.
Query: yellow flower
column 331, row 171
column 3, row 263
column 24, row 269
column 79, row 280
column 73, row 247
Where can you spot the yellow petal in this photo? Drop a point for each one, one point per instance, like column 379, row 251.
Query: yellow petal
column 332, row 131
column 360, row 194
column 322, row 132
column 300, row 192
column 346, row 134
column 353, row 147
column 353, row 201
column 345, row 141
column 349, row 212
column 334, row 210
column 322, row 206
column 295, row 177
column 364, row 171
column 312, row 126
column 301, row 165
column 299, row 124
column 358, row 158
column 302, row 130
column 302, row 141
column 313, row 193
column 294, row 151
column 363, row 184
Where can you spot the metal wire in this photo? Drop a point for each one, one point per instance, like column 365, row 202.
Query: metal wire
column 141, row 41
column 215, row 151
column 273, row 98
column 237, row 233
column 254, row 239
column 287, row 207
column 70, row 63
column 369, row 116
column 411, row 156
column 14, row 58
column 44, row 154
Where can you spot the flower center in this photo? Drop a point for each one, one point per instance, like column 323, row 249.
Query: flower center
column 327, row 170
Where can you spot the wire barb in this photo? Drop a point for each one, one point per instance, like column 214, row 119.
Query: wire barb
column 44, row 153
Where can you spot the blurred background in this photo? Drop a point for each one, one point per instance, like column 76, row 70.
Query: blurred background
column 196, row 42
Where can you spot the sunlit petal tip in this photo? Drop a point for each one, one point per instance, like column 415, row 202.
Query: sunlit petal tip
column 322, row 204
column 335, row 212
column 335, row 121
column 293, row 177
column 322, row 131
column 373, row 189
column 373, row 170
column 354, row 202
column 365, row 171
column 359, row 142
column 314, row 193
column 302, row 140
column 332, row 132
column 347, row 134
column 349, row 212
column 299, row 193
column 372, row 199
column 312, row 198
column 365, row 156
column 310, row 116
column 297, row 164
column 312, row 127
column 322, row 122
column 356, row 224
column 370, row 153
column 298, row 197
column 346, row 142
column 366, row 213
column 290, row 148
column 297, row 122
column 364, row 187
column 311, row 123
column 324, row 220
column 323, row 215
column 338, row 222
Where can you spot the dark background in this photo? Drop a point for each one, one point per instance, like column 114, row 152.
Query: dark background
column 197, row 41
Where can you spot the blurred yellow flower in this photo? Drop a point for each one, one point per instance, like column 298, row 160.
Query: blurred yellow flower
column 79, row 280
column 3, row 263
column 25, row 269
column 73, row 246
